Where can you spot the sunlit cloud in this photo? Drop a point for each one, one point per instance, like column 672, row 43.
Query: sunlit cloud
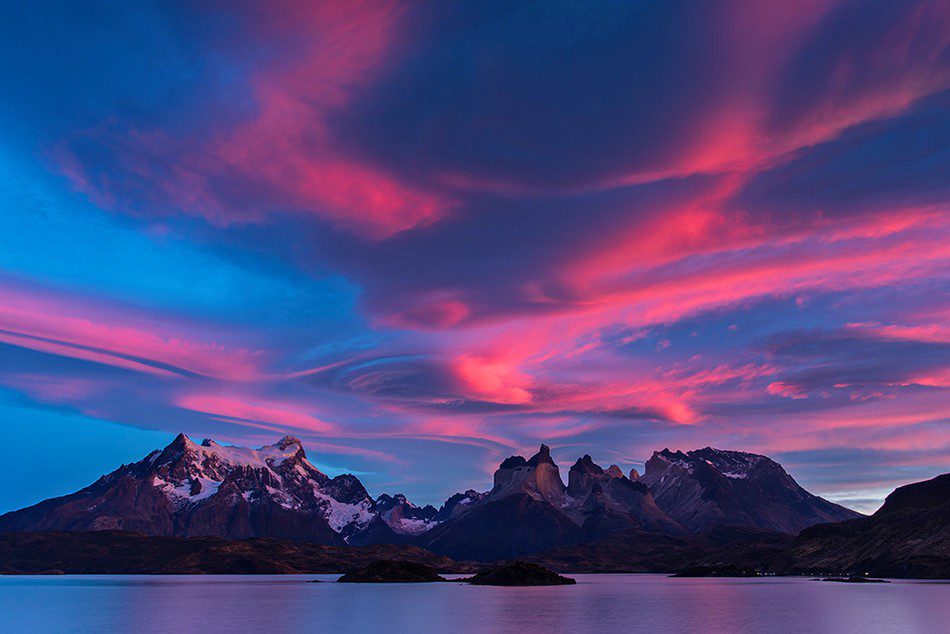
column 479, row 227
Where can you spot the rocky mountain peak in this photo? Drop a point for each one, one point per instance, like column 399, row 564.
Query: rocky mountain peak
column 634, row 474
column 662, row 460
column 614, row 471
column 586, row 464
column 734, row 464
column 513, row 462
column 288, row 441
column 174, row 450
column 543, row 456
column 582, row 476
column 538, row 477
column 403, row 517
column 386, row 501
column 458, row 504
column 709, row 487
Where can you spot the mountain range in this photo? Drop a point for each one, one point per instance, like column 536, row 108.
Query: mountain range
column 193, row 489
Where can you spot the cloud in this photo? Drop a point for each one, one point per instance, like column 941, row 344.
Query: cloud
column 856, row 362
column 458, row 229
column 254, row 410
column 103, row 333
column 281, row 157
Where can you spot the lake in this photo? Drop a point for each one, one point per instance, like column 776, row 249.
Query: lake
column 609, row 603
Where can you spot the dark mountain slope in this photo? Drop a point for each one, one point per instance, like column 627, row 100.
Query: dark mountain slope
column 909, row 536
column 709, row 487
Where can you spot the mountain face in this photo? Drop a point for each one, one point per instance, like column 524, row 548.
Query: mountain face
column 190, row 489
column 711, row 487
column 529, row 509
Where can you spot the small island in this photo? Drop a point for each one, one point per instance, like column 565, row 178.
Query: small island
column 519, row 573
column 392, row 571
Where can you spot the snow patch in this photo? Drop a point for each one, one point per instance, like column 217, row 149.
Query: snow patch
column 282, row 498
column 208, row 488
column 263, row 457
column 340, row 514
column 410, row 526
column 182, row 492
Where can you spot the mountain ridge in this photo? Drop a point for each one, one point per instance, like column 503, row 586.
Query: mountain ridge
column 709, row 487
column 190, row 489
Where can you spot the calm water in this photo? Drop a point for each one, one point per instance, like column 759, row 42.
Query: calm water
column 612, row 603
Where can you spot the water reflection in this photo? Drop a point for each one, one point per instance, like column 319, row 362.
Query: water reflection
column 613, row 603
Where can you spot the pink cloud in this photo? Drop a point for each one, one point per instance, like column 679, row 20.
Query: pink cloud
column 266, row 411
column 493, row 379
column 283, row 157
column 786, row 390
column 936, row 333
column 81, row 329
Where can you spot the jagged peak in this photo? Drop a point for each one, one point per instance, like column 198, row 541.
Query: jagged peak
column 670, row 456
column 614, row 471
column 287, row 441
column 543, row 456
column 586, row 463
column 387, row 500
column 268, row 455
column 729, row 453
column 729, row 463
column 181, row 440
column 173, row 450
column 512, row 462
column 707, row 453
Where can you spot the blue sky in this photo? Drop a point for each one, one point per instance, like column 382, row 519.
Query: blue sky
column 424, row 237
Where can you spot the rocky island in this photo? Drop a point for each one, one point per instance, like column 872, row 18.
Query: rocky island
column 519, row 573
column 392, row 571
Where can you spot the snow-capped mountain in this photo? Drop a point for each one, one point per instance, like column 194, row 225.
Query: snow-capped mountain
column 709, row 487
column 192, row 489
column 189, row 489
column 404, row 517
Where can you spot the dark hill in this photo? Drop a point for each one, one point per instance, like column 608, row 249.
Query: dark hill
column 909, row 536
column 118, row 552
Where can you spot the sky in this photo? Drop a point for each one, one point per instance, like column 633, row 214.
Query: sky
column 426, row 236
